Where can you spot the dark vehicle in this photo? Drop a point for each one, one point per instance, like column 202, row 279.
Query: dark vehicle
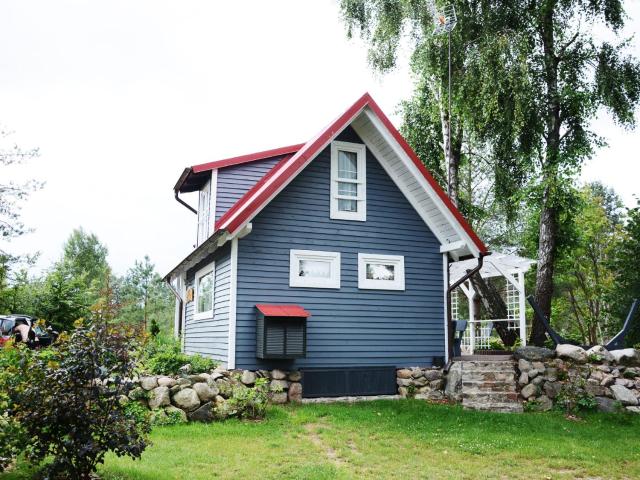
column 21, row 326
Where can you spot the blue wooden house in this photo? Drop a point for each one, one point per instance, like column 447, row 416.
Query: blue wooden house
column 327, row 256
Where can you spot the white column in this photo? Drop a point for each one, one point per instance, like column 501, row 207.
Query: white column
column 522, row 309
column 472, row 319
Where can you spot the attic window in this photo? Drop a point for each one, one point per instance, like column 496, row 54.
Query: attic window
column 348, row 181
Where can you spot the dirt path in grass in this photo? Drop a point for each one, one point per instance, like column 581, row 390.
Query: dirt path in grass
column 331, row 454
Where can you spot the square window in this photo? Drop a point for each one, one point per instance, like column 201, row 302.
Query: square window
column 204, row 291
column 348, row 181
column 316, row 269
column 380, row 272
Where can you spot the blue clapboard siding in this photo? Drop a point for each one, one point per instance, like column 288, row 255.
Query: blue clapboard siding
column 349, row 327
column 210, row 336
column 235, row 181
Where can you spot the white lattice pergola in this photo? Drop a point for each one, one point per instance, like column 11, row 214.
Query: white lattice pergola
column 510, row 267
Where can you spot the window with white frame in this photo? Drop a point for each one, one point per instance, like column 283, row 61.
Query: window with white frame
column 311, row 268
column 380, row 272
column 348, row 181
column 204, row 291
column 204, row 212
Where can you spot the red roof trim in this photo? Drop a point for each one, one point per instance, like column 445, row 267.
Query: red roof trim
column 251, row 157
column 283, row 310
column 293, row 164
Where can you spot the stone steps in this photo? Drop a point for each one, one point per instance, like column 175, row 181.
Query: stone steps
column 490, row 386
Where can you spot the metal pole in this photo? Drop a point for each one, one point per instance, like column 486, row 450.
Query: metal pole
column 449, row 189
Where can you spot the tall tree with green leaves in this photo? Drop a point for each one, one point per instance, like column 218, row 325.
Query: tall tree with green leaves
column 585, row 277
column 144, row 293
column 530, row 77
column 85, row 258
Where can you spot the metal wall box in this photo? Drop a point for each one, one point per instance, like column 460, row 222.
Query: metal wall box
column 281, row 332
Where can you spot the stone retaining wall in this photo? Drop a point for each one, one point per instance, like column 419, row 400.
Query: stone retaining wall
column 203, row 396
column 421, row 383
column 547, row 377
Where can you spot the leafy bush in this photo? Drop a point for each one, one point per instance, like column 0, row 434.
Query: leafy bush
column 594, row 358
column 67, row 400
column 12, row 437
column 573, row 398
column 249, row 403
column 165, row 357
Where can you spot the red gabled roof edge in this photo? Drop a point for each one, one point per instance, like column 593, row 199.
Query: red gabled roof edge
column 282, row 310
column 310, row 149
column 251, row 157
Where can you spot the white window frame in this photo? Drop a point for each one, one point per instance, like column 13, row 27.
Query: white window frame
column 296, row 280
column 361, row 199
column 211, row 268
column 204, row 211
column 396, row 260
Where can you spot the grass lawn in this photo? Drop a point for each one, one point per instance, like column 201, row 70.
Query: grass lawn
column 388, row 439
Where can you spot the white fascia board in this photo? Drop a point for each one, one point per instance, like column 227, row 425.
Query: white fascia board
column 437, row 201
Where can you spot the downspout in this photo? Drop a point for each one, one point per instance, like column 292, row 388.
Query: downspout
column 183, row 202
column 180, row 306
column 464, row 278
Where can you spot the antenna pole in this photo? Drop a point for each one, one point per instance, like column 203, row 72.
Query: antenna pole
column 449, row 123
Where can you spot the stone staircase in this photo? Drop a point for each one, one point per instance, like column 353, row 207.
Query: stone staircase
column 490, row 385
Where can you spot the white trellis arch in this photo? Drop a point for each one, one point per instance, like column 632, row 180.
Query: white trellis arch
column 510, row 267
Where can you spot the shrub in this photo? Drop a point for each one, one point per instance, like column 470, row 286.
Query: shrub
column 249, row 403
column 154, row 329
column 68, row 400
column 165, row 357
column 594, row 358
column 573, row 398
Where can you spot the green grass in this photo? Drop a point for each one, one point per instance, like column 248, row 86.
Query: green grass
column 388, row 439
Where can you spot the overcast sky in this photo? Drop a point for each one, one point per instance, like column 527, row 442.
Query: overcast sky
column 120, row 96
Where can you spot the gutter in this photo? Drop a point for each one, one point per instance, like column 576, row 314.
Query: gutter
column 464, row 278
column 184, row 203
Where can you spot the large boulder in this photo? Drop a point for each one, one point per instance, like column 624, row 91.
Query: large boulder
column 278, row 385
column 624, row 395
column 625, row 355
column 572, row 352
column 453, row 387
column 404, row 373
column 159, row 397
column 433, row 374
column 203, row 414
column 176, row 414
column 601, row 352
column 166, row 381
column 295, row 376
column 248, row 377
column 533, row 354
column 529, row 391
column 186, row 399
column 278, row 374
column 205, row 391
column 607, row 405
column 279, row 398
column 148, row 383
column 295, row 392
